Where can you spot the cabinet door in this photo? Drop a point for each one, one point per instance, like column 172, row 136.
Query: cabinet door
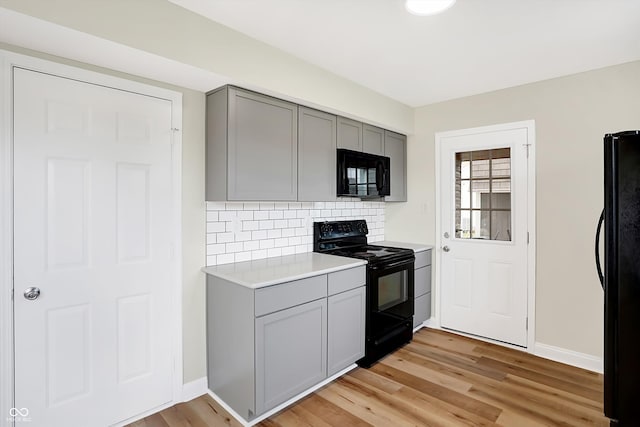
column 422, row 280
column 262, row 147
column 316, row 155
column 395, row 147
column 349, row 134
column 291, row 353
column 373, row 140
column 346, row 329
column 422, row 309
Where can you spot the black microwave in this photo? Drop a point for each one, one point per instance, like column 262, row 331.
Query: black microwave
column 363, row 175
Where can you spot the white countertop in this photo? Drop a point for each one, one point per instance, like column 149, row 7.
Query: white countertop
column 271, row 271
column 417, row 247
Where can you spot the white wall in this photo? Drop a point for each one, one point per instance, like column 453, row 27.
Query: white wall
column 239, row 232
column 572, row 114
column 164, row 29
column 167, row 30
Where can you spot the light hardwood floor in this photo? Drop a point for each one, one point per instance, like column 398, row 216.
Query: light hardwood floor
column 439, row 379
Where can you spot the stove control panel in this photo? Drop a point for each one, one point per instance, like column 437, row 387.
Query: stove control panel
column 340, row 229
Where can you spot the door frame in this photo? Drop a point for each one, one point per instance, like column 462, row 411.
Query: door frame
column 529, row 126
column 9, row 60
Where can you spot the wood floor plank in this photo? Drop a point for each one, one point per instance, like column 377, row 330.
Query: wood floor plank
column 549, row 380
column 439, row 379
column 450, row 396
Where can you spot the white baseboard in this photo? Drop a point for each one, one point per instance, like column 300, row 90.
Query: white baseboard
column 280, row 407
column 569, row 357
column 193, row 389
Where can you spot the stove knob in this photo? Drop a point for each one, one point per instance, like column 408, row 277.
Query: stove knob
column 362, row 227
column 326, row 229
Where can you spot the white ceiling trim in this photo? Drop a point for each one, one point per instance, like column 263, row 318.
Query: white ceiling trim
column 31, row 33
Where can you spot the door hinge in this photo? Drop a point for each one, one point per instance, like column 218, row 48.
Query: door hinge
column 527, row 237
column 527, row 147
column 527, row 323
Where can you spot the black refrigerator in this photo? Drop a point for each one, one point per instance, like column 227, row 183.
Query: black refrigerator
column 621, row 278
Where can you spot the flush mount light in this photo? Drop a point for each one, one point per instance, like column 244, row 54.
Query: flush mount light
column 427, row 7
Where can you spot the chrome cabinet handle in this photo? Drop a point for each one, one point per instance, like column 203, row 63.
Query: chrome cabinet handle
column 32, row 293
column 446, row 248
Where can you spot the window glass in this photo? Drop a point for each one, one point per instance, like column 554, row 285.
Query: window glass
column 483, row 194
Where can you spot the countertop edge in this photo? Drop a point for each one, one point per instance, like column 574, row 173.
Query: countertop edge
column 351, row 263
column 416, row 247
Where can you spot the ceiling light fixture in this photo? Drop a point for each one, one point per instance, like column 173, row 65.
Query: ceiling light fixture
column 427, row 7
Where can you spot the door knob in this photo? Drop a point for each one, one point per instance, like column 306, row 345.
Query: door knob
column 32, row 293
column 446, row 248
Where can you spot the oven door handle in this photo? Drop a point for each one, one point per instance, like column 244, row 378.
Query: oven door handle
column 392, row 265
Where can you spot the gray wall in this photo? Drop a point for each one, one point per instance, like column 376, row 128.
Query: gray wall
column 572, row 114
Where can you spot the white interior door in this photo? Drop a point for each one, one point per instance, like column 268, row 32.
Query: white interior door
column 483, row 200
column 92, row 231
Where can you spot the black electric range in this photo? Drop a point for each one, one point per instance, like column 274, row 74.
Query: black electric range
column 390, row 284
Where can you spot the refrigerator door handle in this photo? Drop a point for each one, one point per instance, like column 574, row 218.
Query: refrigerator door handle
column 600, row 275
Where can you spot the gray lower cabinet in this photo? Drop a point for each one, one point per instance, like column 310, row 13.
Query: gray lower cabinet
column 422, row 291
column 395, row 147
column 290, row 353
column 347, row 318
column 316, row 155
column 252, row 146
column 266, row 345
column 349, row 134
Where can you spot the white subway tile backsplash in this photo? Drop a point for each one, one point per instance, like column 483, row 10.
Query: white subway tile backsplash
column 274, row 252
column 259, row 254
column 275, row 214
column 245, row 215
column 280, row 223
column 225, row 237
column 260, row 215
column 225, row 259
column 234, row 206
column 233, row 247
column 239, row 232
column 288, row 250
column 215, row 227
column 274, row 234
column 259, row 235
column 267, row 244
column 266, row 225
column 251, row 245
column 243, row 256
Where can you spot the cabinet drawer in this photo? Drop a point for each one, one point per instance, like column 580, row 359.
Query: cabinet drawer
column 290, row 294
column 344, row 280
column 422, row 281
column 422, row 309
column 423, row 258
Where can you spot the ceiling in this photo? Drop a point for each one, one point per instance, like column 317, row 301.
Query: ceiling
column 476, row 46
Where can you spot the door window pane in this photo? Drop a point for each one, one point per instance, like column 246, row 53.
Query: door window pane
column 483, row 194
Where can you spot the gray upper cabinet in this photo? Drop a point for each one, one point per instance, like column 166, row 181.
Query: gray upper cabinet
column 349, row 134
column 373, row 140
column 317, row 134
column 395, row 147
column 252, row 146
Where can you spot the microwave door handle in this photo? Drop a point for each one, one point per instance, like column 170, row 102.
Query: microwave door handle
column 380, row 177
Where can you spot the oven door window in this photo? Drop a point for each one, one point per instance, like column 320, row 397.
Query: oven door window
column 393, row 289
